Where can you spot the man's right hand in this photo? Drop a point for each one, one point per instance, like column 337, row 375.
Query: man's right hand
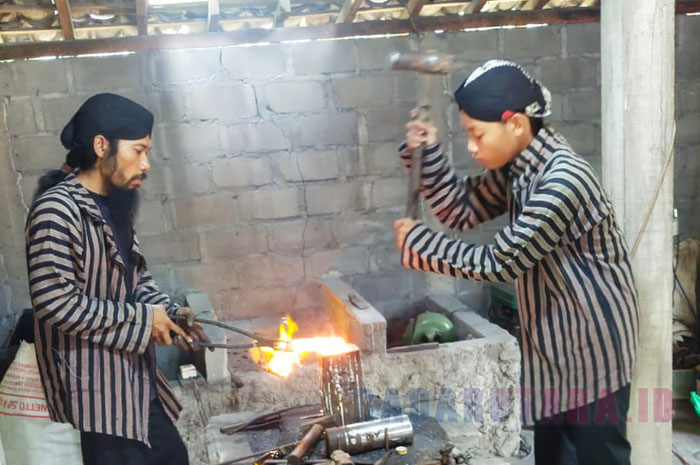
column 420, row 132
column 162, row 325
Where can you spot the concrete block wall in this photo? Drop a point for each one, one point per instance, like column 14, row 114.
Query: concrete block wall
column 687, row 154
column 273, row 165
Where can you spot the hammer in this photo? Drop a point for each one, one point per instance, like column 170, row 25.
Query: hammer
column 429, row 63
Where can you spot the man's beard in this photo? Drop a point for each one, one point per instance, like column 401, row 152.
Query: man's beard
column 123, row 207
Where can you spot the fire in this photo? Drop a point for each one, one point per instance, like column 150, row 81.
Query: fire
column 286, row 356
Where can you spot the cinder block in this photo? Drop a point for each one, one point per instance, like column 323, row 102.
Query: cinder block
column 387, row 124
column 150, row 218
column 295, row 96
column 38, row 153
column 349, row 261
column 253, row 303
column 58, row 111
column 687, row 129
column 688, row 30
column 110, row 73
column 473, row 45
column 688, row 96
column 366, row 228
column 304, row 234
column 30, row 77
column 208, row 277
column 187, row 141
column 327, row 129
column 374, row 53
column 241, row 172
column 308, row 166
column 333, row 198
column 362, row 91
column 6, row 79
column 407, row 87
column 321, row 57
column 389, row 192
column 584, row 105
column 270, row 270
column 170, row 247
column 384, row 258
column 265, row 136
column 583, row 137
column 531, row 42
column 184, row 66
column 188, row 178
column 269, row 204
column 203, row 210
column 221, row 103
column 383, row 159
column 254, row 62
column 232, row 242
column 377, row 288
column 167, row 106
column 582, row 38
column 19, row 116
column 561, row 74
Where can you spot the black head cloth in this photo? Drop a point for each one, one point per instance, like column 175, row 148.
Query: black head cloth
column 110, row 115
column 498, row 88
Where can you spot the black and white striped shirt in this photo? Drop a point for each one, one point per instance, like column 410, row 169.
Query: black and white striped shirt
column 576, row 294
column 93, row 346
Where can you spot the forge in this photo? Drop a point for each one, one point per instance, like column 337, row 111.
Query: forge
column 468, row 386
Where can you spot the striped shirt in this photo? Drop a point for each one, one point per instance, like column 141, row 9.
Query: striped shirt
column 576, row 294
column 93, row 345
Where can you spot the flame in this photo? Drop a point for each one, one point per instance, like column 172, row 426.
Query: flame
column 286, row 356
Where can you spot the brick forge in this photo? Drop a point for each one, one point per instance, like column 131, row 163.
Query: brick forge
column 469, row 385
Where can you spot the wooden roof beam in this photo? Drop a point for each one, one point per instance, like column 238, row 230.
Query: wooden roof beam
column 282, row 12
column 213, row 15
column 414, row 7
column 475, row 6
column 141, row 17
column 349, row 11
column 535, row 4
column 65, row 19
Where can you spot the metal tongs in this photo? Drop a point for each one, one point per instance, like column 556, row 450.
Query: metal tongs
column 258, row 341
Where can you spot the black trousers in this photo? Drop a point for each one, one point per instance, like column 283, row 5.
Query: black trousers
column 167, row 447
column 590, row 435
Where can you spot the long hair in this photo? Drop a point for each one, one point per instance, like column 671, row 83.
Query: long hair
column 82, row 158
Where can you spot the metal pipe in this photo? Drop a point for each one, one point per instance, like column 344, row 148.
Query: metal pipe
column 370, row 435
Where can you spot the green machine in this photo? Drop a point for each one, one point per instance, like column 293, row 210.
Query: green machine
column 429, row 327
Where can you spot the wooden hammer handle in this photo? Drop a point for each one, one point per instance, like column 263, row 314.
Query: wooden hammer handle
column 296, row 457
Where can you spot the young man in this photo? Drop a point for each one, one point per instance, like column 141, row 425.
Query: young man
column 563, row 248
column 97, row 310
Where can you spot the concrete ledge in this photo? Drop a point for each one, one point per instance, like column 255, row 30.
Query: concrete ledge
column 214, row 365
column 356, row 320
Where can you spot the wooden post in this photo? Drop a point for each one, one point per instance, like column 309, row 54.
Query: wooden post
column 342, row 387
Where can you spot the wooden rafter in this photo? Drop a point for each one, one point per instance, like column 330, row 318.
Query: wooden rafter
column 475, row 6
column 328, row 31
column 535, row 4
column 414, row 7
column 65, row 19
column 282, row 12
column 141, row 17
column 349, row 11
column 213, row 16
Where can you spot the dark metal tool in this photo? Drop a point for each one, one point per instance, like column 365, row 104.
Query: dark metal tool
column 257, row 339
column 428, row 63
column 296, row 457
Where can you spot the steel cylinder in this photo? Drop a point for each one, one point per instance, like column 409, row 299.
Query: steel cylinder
column 370, row 435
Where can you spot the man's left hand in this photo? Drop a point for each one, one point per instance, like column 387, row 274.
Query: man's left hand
column 403, row 227
column 192, row 328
